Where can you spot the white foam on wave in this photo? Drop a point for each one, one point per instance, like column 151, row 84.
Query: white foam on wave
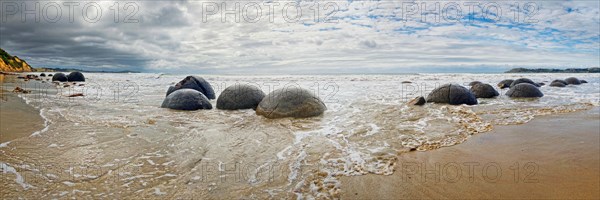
column 4, row 144
column 18, row 178
column 46, row 123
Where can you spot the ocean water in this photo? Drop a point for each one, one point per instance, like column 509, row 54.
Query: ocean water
column 117, row 142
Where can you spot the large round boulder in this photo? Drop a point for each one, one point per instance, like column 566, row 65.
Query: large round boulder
column 557, row 84
column 474, row 83
column 452, row 94
column 505, row 83
column 483, row 90
column 75, row 77
column 524, row 90
column 573, row 81
column 196, row 83
column 290, row 102
column 60, row 77
column 186, row 99
column 240, row 97
column 523, row 80
column 560, row 81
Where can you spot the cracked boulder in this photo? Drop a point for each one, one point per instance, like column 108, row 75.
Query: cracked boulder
column 195, row 83
column 452, row 94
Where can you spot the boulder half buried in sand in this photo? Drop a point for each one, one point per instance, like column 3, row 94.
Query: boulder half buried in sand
column 186, row 99
column 573, row 81
column 523, row 80
column 290, row 102
column 524, row 90
column 483, row 90
column 60, row 77
column 240, row 96
column 75, row 77
column 452, row 94
column 505, row 83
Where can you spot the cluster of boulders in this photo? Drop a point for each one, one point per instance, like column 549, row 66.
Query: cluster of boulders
column 194, row 93
column 455, row 94
column 567, row 81
column 72, row 77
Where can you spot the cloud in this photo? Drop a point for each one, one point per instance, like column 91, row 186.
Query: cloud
column 354, row 36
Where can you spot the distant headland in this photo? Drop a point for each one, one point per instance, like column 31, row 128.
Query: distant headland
column 79, row 70
column 546, row 70
column 9, row 63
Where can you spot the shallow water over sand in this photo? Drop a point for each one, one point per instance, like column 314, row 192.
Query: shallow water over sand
column 116, row 141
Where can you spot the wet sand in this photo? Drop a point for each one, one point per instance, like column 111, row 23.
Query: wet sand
column 17, row 119
column 551, row 157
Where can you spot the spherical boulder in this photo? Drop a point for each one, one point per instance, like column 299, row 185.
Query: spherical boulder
column 474, row 83
column 186, row 99
column 573, row 81
column 452, row 94
column 240, row 96
column 483, row 90
column 524, row 90
column 196, row 83
column 75, row 77
column 523, row 80
column 43, row 75
column 60, row 77
column 290, row 102
column 583, row 81
column 557, row 84
column 505, row 83
column 560, row 81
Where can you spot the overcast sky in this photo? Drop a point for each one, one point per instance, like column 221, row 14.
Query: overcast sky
column 342, row 37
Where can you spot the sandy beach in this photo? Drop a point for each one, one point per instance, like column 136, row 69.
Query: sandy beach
column 551, row 157
column 101, row 140
column 17, row 119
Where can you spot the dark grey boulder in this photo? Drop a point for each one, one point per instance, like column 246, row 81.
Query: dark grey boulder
column 560, row 81
column 523, row 80
column 474, row 83
column 170, row 90
column 196, row 83
column 60, row 77
column 557, row 84
column 75, row 77
column 505, row 83
column 583, row 81
column 43, row 75
column 186, row 99
column 290, row 102
column 483, row 90
column 240, row 96
column 524, row 90
column 49, row 74
column 573, row 81
column 417, row 101
column 452, row 94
